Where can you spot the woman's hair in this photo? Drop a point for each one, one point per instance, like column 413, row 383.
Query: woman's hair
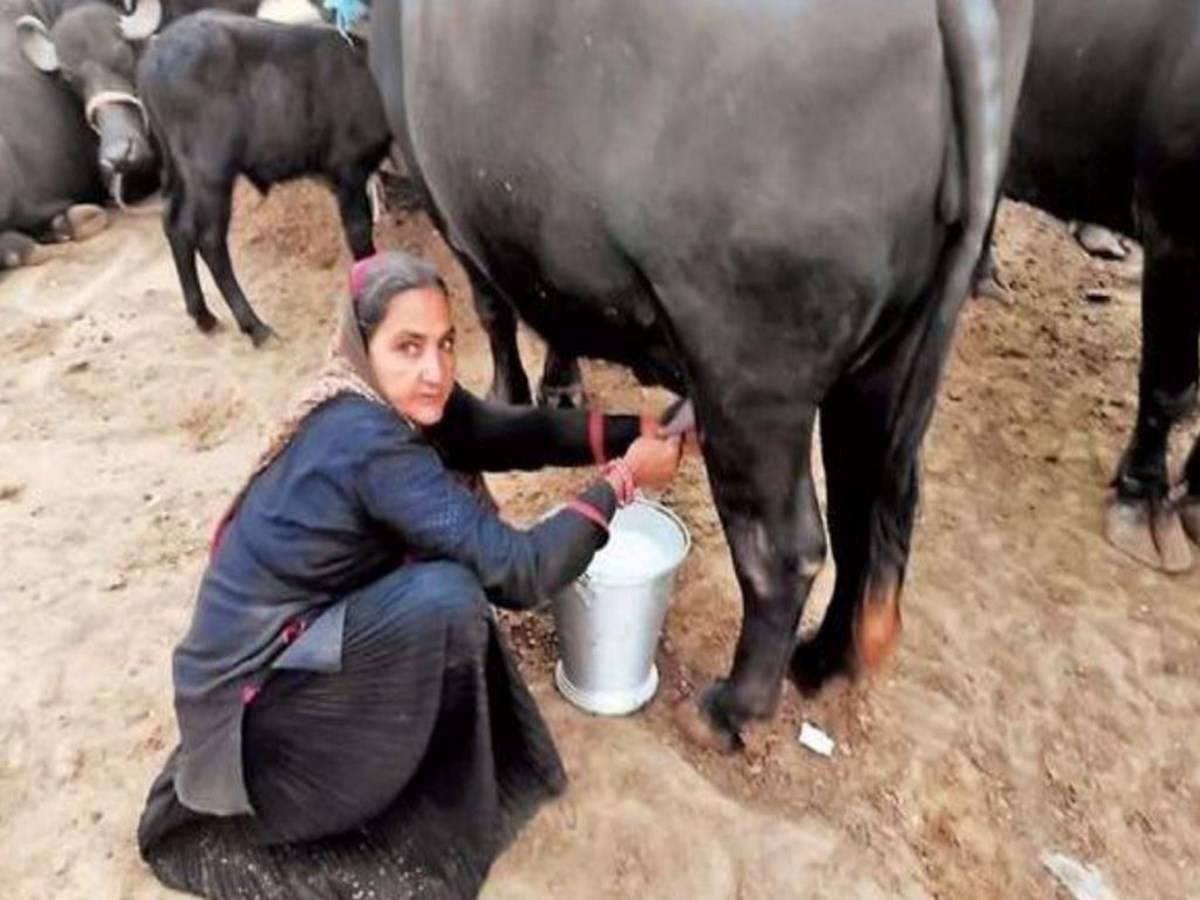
column 374, row 281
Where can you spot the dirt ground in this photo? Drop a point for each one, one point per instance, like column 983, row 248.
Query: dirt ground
column 1045, row 695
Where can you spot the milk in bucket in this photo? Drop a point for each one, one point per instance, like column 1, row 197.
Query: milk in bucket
column 609, row 620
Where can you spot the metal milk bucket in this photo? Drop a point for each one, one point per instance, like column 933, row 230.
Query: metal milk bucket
column 608, row 621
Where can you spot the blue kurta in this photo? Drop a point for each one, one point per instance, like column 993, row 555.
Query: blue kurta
column 356, row 494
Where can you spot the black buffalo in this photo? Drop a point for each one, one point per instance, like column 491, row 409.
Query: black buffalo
column 1108, row 131
column 92, row 46
column 229, row 95
column 51, row 162
column 773, row 208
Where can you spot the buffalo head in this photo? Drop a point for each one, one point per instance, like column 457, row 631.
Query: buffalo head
column 92, row 47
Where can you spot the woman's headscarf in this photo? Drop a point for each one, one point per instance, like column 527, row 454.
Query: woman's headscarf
column 347, row 368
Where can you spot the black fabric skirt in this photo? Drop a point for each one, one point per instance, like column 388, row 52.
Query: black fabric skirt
column 403, row 775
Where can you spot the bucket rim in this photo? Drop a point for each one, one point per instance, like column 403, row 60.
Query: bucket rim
column 652, row 574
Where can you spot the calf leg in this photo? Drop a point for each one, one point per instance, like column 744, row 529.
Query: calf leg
column 354, row 205
column 214, row 248
column 872, row 426
column 1142, row 521
column 179, row 226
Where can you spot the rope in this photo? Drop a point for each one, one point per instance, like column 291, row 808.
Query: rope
column 105, row 98
column 346, row 14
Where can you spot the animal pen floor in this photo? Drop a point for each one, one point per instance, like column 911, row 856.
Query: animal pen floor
column 1045, row 695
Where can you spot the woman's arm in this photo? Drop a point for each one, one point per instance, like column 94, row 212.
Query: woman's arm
column 491, row 437
column 405, row 486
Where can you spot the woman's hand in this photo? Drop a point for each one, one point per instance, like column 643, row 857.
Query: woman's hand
column 678, row 420
column 653, row 461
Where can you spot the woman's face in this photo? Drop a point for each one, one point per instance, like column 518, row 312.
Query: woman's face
column 412, row 354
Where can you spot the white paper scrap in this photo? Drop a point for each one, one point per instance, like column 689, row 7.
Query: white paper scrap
column 1084, row 882
column 816, row 740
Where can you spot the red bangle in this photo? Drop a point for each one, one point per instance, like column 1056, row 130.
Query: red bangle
column 589, row 512
column 595, row 428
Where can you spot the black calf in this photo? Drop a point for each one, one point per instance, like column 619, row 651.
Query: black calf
column 229, row 95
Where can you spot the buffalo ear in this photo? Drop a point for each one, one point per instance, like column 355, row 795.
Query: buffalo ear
column 36, row 43
column 140, row 24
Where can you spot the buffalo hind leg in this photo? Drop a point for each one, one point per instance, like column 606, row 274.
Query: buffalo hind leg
column 872, row 426
column 213, row 233
column 499, row 321
column 758, row 453
column 562, row 382
column 354, row 206
column 1142, row 521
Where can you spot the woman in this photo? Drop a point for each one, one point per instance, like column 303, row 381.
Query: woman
column 351, row 724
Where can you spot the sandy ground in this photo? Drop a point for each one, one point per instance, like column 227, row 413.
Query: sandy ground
column 1044, row 698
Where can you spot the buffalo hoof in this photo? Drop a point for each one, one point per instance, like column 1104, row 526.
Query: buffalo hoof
column 36, row 255
column 567, row 396
column 59, row 230
column 702, row 723
column 1189, row 513
column 815, row 664
column 17, row 250
column 206, row 322
column 1099, row 242
column 85, row 220
column 1153, row 534
column 991, row 288
column 260, row 333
